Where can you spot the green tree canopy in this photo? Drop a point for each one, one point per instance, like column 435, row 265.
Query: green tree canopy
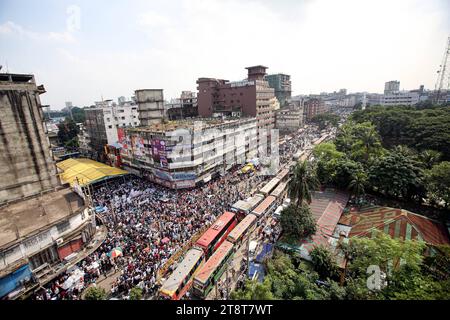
column 95, row 293
column 303, row 182
column 297, row 222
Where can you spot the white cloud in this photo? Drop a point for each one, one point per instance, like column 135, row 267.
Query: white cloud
column 153, row 19
column 11, row 28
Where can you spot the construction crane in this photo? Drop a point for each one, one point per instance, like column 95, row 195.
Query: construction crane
column 443, row 80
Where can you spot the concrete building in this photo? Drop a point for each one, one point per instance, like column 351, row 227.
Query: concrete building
column 44, row 228
column 314, row 107
column 182, row 154
column 150, row 106
column 184, row 107
column 401, row 98
column 27, row 165
column 102, row 122
column 282, row 85
column 290, row 118
column 391, row 87
column 251, row 97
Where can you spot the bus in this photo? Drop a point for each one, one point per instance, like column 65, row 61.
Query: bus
column 213, row 269
column 244, row 207
column 265, row 207
column 180, row 281
column 244, row 227
column 283, row 175
column 217, row 233
column 267, row 189
column 280, row 190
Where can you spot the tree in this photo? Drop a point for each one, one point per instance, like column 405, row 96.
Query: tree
column 358, row 183
column 297, row 222
column 367, row 141
column 78, row 115
column 136, row 293
column 95, row 293
column 253, row 290
column 438, row 181
column 323, row 262
column 302, row 183
column 429, row 158
column 67, row 131
column 323, row 120
column 398, row 176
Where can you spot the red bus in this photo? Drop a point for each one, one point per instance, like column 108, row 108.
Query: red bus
column 217, row 233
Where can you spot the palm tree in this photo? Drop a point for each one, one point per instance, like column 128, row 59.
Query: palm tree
column 303, row 182
column 357, row 184
column 370, row 140
column 430, row 158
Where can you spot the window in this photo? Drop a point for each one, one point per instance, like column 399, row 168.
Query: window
column 63, row 226
column 110, row 127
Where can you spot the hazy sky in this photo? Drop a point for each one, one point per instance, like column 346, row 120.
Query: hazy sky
column 81, row 50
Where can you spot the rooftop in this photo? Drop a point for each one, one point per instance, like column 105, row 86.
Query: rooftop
column 397, row 223
column 187, row 124
column 24, row 218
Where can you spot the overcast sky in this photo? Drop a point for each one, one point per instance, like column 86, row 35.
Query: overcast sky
column 83, row 50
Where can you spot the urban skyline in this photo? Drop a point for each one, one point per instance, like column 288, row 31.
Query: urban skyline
column 159, row 46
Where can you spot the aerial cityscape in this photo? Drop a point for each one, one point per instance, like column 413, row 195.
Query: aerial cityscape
column 222, row 177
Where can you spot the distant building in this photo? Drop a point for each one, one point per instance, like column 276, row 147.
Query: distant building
column 401, row 98
column 27, row 164
column 314, row 107
column 182, row 154
column 282, row 85
column 251, row 97
column 391, row 87
column 102, row 122
column 184, row 107
column 290, row 118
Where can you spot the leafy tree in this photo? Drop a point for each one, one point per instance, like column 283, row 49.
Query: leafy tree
column 297, row 222
column 323, row 262
column 95, row 293
column 367, row 141
column 438, row 179
column 358, row 183
column 303, row 182
column 67, row 131
column 136, row 293
column 397, row 175
column 253, row 290
column 78, row 115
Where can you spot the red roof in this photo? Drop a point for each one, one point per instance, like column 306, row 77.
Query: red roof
column 215, row 229
column 398, row 223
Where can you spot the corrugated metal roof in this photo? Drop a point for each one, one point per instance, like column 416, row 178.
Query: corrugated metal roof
column 398, row 223
column 86, row 171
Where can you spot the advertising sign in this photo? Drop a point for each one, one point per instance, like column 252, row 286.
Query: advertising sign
column 159, row 153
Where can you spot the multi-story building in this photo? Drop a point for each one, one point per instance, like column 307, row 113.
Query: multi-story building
column 251, row 97
column 27, row 164
column 401, row 98
column 391, row 87
column 183, row 107
column 44, row 228
column 314, row 107
column 182, row 154
column 103, row 120
column 290, row 118
column 150, row 106
column 282, row 85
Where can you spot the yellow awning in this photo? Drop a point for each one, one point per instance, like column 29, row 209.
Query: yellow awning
column 86, row 170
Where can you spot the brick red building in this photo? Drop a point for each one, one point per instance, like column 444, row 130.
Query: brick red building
column 314, row 107
column 250, row 97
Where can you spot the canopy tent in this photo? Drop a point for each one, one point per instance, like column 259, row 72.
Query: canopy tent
column 86, row 171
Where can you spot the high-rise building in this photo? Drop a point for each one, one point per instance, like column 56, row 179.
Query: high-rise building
column 183, row 107
column 401, row 98
column 314, row 107
column 391, row 87
column 282, row 85
column 251, row 97
column 27, row 164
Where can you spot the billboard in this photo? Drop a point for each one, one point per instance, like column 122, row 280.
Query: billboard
column 124, row 140
column 159, row 153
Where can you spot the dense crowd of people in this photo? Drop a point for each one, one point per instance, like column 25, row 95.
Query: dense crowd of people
column 149, row 223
